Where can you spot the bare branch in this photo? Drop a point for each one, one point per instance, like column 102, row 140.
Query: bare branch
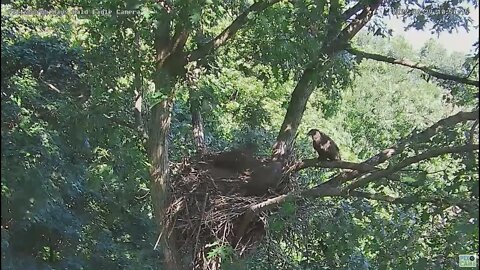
column 197, row 122
column 407, row 200
column 411, row 64
column 271, row 203
column 348, row 166
column 308, row 163
column 121, row 122
column 434, row 153
column 329, row 191
column 399, row 146
column 231, row 30
column 443, row 124
column 411, row 160
column 51, row 86
column 472, row 70
column 387, row 198
column 255, row 209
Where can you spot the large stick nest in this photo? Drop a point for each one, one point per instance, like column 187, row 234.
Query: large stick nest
column 209, row 197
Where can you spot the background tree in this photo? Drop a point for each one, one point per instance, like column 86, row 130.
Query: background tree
column 245, row 72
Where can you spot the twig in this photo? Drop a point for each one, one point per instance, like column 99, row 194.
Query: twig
column 200, row 228
column 472, row 70
column 158, row 240
column 51, row 86
column 143, row 196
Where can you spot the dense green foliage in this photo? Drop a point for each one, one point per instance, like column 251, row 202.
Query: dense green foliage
column 75, row 192
column 73, row 186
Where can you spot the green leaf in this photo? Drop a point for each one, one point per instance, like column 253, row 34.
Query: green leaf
column 146, row 12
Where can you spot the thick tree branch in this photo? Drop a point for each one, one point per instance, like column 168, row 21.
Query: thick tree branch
column 308, row 163
column 433, row 153
column 390, row 199
column 411, row 64
column 359, row 22
column 340, row 40
column 254, row 210
column 308, row 82
column 178, row 41
column 334, row 23
column 408, row 200
column 51, row 86
column 411, row 160
column 328, row 191
column 271, row 203
column 348, row 166
column 400, row 146
column 353, row 10
column 197, row 121
column 439, row 126
column 231, row 30
column 332, row 191
column 162, row 39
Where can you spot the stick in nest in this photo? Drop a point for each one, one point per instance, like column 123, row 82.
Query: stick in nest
column 200, row 227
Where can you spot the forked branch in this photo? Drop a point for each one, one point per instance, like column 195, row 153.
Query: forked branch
column 411, row 160
column 332, row 188
column 231, row 30
column 411, row 64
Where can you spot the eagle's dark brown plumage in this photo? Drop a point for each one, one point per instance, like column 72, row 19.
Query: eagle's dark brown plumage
column 326, row 148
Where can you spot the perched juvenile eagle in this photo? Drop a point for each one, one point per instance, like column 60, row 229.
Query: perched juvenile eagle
column 326, row 148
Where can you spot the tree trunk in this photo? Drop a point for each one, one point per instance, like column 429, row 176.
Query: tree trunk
column 333, row 44
column 158, row 154
column 170, row 62
column 197, row 123
column 293, row 117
